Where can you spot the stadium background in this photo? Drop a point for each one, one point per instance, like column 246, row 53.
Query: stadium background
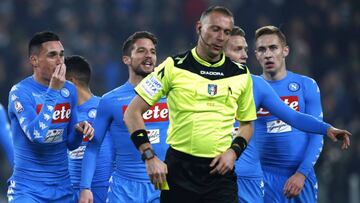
column 323, row 37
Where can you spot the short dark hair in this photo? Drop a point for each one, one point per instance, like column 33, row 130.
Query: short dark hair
column 79, row 68
column 219, row 9
column 39, row 38
column 268, row 30
column 130, row 41
column 237, row 31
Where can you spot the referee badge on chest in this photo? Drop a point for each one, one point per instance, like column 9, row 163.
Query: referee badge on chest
column 212, row 89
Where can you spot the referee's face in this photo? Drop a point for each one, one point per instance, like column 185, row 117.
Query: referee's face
column 214, row 33
column 143, row 57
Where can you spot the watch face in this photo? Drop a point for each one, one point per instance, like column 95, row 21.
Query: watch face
column 148, row 154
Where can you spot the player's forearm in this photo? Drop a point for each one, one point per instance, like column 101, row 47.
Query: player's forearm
column 89, row 164
column 311, row 154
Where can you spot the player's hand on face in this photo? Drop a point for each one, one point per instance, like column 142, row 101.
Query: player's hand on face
column 57, row 80
column 223, row 163
column 86, row 129
column 86, row 196
column 157, row 170
column 336, row 134
column 294, row 185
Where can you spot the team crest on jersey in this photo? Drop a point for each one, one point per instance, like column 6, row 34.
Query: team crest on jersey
column 92, row 113
column 293, row 86
column 65, row 92
column 18, row 107
column 212, row 89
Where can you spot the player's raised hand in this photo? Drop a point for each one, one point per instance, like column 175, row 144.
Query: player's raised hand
column 58, row 79
column 336, row 134
column 86, row 129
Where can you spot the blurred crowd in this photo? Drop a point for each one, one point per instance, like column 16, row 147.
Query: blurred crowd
column 323, row 37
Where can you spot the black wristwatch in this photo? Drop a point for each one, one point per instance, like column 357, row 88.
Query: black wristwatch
column 148, row 154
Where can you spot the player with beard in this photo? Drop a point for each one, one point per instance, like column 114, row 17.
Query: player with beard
column 248, row 168
column 129, row 182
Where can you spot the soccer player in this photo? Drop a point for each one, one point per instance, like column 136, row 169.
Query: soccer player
column 44, row 124
column 129, row 182
column 248, row 168
column 287, row 154
column 78, row 71
column 206, row 91
column 5, row 137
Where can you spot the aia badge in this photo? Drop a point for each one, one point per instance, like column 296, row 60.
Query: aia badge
column 293, row 86
column 212, row 89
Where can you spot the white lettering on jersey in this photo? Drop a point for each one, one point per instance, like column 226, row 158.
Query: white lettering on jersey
column 77, row 153
column 154, row 136
column 277, row 126
column 54, row 135
column 203, row 72
column 151, row 86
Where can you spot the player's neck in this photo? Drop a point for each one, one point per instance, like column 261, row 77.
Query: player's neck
column 40, row 80
column 135, row 79
column 201, row 52
column 275, row 76
column 84, row 94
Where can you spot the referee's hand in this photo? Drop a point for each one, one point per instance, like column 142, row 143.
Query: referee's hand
column 157, row 170
column 223, row 163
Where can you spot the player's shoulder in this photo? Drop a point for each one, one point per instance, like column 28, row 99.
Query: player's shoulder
column 302, row 78
column 22, row 86
column 120, row 91
column 235, row 67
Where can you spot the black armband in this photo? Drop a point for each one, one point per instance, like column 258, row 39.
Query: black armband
column 139, row 137
column 239, row 144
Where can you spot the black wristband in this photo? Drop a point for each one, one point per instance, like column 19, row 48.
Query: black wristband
column 239, row 144
column 139, row 137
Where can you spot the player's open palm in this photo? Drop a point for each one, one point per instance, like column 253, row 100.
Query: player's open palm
column 294, row 185
column 157, row 170
column 58, row 79
column 86, row 196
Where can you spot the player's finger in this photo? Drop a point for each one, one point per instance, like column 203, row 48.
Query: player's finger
column 214, row 161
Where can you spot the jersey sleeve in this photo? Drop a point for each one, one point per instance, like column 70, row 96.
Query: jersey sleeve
column 246, row 110
column 5, row 137
column 74, row 137
column 157, row 84
column 22, row 104
column 271, row 101
column 101, row 125
column 312, row 107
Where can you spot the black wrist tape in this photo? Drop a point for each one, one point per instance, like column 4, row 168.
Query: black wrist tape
column 139, row 137
column 239, row 144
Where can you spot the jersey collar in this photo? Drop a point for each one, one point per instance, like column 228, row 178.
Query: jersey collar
column 205, row 63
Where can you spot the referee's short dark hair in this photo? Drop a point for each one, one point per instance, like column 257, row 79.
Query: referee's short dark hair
column 219, row 9
column 130, row 41
column 79, row 68
column 39, row 38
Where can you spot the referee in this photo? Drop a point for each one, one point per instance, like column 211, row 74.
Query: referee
column 206, row 92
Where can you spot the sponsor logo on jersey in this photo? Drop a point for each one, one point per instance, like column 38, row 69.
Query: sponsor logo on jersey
column 291, row 101
column 293, row 86
column 61, row 114
column 212, row 89
column 154, row 136
column 54, row 136
column 92, row 113
column 77, row 153
column 157, row 113
column 18, row 107
column 151, row 86
column 65, row 92
column 277, row 126
column 203, row 72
